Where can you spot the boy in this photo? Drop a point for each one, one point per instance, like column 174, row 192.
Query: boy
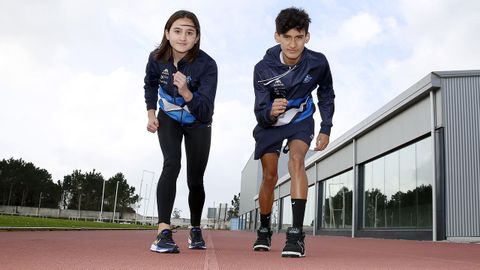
column 283, row 82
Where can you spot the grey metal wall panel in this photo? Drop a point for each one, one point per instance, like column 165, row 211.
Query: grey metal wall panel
column 311, row 175
column 285, row 189
column 335, row 163
column 402, row 128
column 276, row 193
column 438, row 109
column 461, row 99
column 248, row 187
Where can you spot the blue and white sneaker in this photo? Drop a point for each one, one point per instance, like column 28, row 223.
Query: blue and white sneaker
column 195, row 239
column 164, row 243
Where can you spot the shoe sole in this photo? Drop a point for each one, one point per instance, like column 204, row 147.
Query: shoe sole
column 261, row 248
column 190, row 246
column 197, row 247
column 292, row 254
column 164, row 250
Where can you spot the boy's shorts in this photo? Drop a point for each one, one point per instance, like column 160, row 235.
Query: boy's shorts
column 270, row 140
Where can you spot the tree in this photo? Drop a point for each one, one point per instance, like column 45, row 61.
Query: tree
column 233, row 212
column 22, row 183
column 73, row 189
column 86, row 189
column 176, row 213
column 126, row 197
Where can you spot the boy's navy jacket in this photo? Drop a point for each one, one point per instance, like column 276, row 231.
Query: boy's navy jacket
column 273, row 79
column 201, row 81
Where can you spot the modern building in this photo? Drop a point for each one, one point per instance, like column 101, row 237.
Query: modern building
column 411, row 170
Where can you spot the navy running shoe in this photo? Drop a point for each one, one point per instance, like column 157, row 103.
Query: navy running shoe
column 195, row 239
column 164, row 243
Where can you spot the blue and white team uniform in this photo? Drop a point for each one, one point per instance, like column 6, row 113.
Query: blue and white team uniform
column 274, row 79
column 181, row 122
column 201, row 81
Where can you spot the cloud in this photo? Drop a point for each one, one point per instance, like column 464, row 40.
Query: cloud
column 360, row 30
column 444, row 38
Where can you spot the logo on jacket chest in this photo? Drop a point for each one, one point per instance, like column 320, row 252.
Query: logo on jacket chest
column 279, row 89
column 307, row 78
column 164, row 76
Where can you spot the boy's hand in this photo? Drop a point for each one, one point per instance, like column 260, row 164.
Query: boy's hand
column 322, row 142
column 278, row 107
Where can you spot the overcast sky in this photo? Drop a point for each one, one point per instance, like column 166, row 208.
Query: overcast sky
column 71, row 75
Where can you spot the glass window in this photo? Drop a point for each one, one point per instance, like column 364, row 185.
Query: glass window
column 275, row 215
column 375, row 198
column 310, row 208
column 337, row 201
column 392, row 189
column 398, row 188
column 408, row 198
column 286, row 212
column 424, row 183
column 251, row 221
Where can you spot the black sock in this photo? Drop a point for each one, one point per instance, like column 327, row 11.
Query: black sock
column 265, row 220
column 298, row 211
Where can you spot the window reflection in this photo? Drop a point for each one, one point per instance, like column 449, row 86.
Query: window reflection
column 252, row 219
column 398, row 188
column 286, row 212
column 309, row 208
column 337, row 201
column 274, row 217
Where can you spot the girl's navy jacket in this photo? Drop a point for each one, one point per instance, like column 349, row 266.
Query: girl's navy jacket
column 273, row 79
column 202, row 79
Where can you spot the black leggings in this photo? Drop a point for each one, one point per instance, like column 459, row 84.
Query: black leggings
column 197, row 149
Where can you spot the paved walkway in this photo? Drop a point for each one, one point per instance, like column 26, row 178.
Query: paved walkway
column 227, row 250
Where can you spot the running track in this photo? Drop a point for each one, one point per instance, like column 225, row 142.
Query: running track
column 129, row 249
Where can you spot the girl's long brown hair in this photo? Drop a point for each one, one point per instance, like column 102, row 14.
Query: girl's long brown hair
column 164, row 51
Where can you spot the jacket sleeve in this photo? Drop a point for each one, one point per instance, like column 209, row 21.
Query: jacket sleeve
column 202, row 103
column 326, row 96
column 263, row 104
column 151, row 83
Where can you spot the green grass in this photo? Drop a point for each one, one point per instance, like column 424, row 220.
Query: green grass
column 25, row 222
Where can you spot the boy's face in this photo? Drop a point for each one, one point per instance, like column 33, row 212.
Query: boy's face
column 292, row 44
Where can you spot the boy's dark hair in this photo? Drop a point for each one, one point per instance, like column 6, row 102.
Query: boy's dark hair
column 164, row 51
column 290, row 18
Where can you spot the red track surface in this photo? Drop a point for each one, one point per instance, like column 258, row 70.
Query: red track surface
column 226, row 250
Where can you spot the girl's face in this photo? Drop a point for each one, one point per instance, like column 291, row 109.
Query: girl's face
column 182, row 36
column 292, row 44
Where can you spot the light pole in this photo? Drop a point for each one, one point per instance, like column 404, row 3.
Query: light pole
column 146, row 203
column 39, row 202
column 103, row 197
column 115, row 205
column 150, row 192
column 140, row 193
column 153, row 211
column 79, row 204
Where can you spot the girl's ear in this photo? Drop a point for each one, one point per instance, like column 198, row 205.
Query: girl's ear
column 167, row 35
column 197, row 39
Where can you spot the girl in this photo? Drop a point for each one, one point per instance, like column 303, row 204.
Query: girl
column 182, row 80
